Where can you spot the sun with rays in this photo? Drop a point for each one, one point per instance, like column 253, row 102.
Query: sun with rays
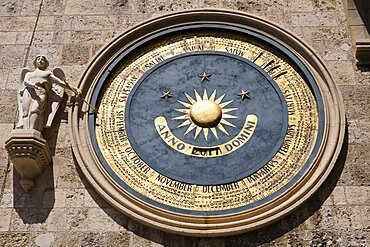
column 205, row 113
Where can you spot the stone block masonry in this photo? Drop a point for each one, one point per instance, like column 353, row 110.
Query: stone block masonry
column 63, row 210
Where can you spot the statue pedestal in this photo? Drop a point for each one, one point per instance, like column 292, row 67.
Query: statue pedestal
column 29, row 153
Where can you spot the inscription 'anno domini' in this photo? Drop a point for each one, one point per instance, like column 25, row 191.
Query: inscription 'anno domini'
column 213, row 151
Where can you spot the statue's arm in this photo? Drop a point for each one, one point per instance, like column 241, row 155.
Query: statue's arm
column 63, row 84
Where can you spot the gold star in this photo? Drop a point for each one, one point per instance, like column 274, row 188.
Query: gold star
column 166, row 95
column 205, row 76
column 244, row 95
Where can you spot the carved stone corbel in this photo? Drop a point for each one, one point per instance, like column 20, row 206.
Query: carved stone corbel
column 29, row 153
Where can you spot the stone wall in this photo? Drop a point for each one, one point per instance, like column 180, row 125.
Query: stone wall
column 63, row 210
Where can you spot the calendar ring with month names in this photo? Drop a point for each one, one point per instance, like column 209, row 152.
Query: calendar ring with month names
column 207, row 128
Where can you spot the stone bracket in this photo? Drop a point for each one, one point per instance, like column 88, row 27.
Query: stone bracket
column 30, row 154
column 363, row 52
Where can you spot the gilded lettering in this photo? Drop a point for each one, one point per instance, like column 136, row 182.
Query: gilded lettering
column 234, row 51
column 174, row 184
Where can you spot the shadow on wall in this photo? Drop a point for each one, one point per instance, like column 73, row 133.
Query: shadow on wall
column 256, row 238
column 363, row 7
column 35, row 206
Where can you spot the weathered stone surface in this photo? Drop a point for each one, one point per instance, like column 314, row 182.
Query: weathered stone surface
column 354, row 17
column 43, row 37
column 117, row 239
column 163, row 5
column 333, row 50
column 359, row 31
column 337, row 197
column 30, row 7
column 12, row 55
column 7, row 175
column 342, row 71
column 355, row 92
column 77, row 219
column 12, row 7
column 24, row 38
column 356, row 174
column 67, row 239
column 357, row 109
column 59, row 196
column 88, row 23
column 5, row 23
column 5, row 215
column 7, row 198
column 68, row 178
column 8, row 106
column 91, row 37
column 363, row 77
column 17, row 239
column 205, row 242
column 179, row 241
column 53, row 7
column 75, row 198
column 92, row 199
column 347, row 217
column 23, row 23
column 57, row 220
column 365, row 216
column 29, row 219
column 3, row 78
column 93, row 239
column 73, row 54
column 66, row 211
column 358, row 238
column 301, row 5
column 357, row 195
column 91, row 7
column 359, row 131
column 44, row 240
column 14, row 82
column 7, row 37
column 73, row 73
column 257, row 239
column 322, row 219
column 315, row 19
column 66, row 175
column 324, row 238
column 325, row 5
column 137, row 241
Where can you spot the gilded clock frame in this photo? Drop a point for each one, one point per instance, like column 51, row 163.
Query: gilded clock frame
column 220, row 225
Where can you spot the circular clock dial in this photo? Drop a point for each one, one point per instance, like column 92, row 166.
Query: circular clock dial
column 207, row 120
column 207, row 129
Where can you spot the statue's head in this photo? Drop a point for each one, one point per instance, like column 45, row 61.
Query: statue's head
column 41, row 62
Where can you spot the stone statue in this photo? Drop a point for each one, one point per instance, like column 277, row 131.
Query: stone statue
column 38, row 101
column 41, row 95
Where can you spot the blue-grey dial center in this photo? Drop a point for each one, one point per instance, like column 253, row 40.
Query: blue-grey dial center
column 205, row 107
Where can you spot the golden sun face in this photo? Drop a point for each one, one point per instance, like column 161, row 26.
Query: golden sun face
column 205, row 113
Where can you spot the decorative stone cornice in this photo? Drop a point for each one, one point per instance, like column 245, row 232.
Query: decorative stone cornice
column 363, row 52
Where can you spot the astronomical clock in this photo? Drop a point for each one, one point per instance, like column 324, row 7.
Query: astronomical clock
column 207, row 123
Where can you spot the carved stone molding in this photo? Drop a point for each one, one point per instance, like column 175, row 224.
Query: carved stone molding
column 30, row 154
column 363, row 52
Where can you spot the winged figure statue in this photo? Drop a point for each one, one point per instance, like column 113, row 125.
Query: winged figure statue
column 41, row 95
